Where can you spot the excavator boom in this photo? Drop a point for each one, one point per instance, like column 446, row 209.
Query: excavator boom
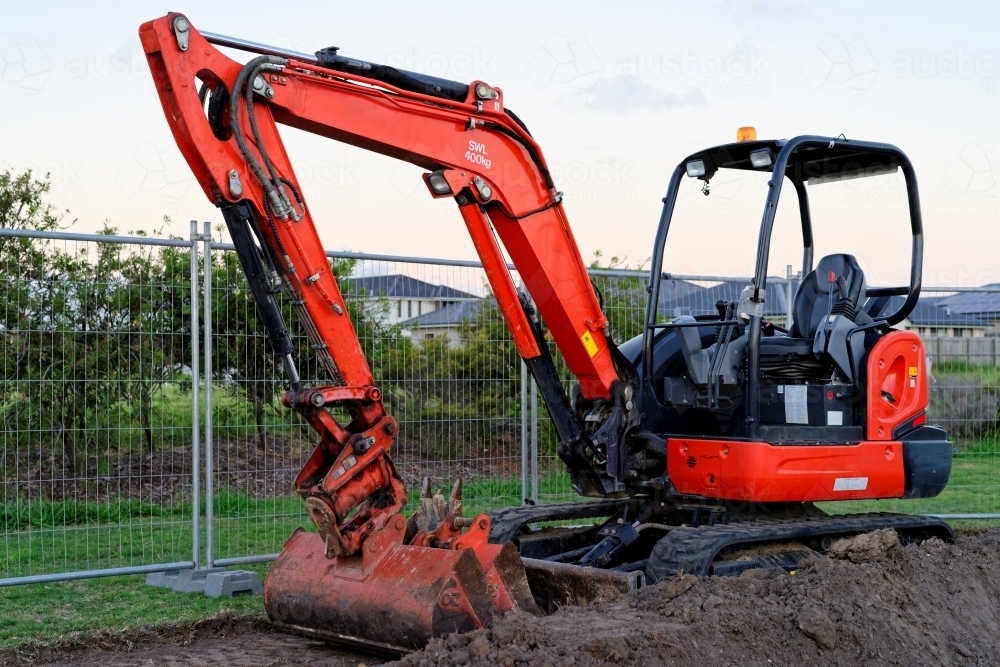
column 224, row 116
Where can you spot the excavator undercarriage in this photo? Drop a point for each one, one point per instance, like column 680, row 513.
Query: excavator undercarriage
column 695, row 463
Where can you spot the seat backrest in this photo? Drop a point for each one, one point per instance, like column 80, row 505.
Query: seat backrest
column 812, row 299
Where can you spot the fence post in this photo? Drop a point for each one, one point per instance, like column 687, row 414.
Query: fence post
column 524, row 432
column 534, row 442
column 195, row 406
column 209, row 472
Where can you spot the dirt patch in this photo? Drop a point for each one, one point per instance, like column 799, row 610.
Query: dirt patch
column 221, row 640
column 163, row 477
column 872, row 602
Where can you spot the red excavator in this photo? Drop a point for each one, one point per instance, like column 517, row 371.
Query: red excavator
column 702, row 439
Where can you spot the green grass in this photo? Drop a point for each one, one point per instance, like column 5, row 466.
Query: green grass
column 62, row 536
column 990, row 374
column 48, row 612
column 974, row 488
column 56, row 537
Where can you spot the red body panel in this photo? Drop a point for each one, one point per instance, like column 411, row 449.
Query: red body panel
column 897, row 383
column 764, row 473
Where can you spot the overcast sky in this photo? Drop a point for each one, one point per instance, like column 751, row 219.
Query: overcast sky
column 615, row 93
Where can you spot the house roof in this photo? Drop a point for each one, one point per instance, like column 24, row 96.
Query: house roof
column 983, row 305
column 934, row 312
column 449, row 316
column 678, row 297
column 398, row 286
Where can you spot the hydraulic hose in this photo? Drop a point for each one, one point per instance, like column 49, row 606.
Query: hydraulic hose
column 276, row 180
column 656, row 526
column 234, row 121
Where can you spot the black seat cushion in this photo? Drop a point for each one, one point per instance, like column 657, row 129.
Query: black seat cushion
column 785, row 345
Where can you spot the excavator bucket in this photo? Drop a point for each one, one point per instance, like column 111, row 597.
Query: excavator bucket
column 395, row 596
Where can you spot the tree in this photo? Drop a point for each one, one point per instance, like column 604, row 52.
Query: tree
column 87, row 332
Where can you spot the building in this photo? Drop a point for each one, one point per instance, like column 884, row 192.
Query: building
column 443, row 323
column 396, row 298
column 679, row 297
column 932, row 316
column 983, row 306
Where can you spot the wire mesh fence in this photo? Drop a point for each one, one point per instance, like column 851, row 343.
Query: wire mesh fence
column 446, row 367
column 95, row 404
column 100, row 454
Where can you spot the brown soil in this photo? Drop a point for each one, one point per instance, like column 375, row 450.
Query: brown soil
column 872, row 602
column 222, row 640
column 163, row 477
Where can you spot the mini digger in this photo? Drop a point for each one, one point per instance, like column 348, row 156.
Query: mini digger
column 697, row 442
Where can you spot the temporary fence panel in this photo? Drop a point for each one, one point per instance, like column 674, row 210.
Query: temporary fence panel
column 102, row 452
column 95, row 406
column 961, row 334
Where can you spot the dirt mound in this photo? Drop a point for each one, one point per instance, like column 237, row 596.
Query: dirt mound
column 872, row 602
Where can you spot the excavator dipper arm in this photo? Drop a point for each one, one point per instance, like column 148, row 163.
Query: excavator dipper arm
column 224, row 117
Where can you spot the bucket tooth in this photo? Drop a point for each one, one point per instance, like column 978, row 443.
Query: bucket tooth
column 506, row 576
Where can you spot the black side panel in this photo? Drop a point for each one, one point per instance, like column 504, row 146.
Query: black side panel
column 926, row 462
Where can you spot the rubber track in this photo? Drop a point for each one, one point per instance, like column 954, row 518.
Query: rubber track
column 507, row 523
column 692, row 550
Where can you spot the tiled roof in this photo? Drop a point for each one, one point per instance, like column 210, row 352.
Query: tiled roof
column 397, row 286
column 678, row 297
column 934, row 312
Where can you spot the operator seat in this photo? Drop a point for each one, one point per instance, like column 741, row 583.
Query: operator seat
column 835, row 287
column 812, row 300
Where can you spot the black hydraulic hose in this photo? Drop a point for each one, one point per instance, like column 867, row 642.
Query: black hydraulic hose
column 277, row 239
column 600, row 295
column 295, row 191
column 520, row 123
column 274, row 227
column 234, row 120
column 252, row 119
